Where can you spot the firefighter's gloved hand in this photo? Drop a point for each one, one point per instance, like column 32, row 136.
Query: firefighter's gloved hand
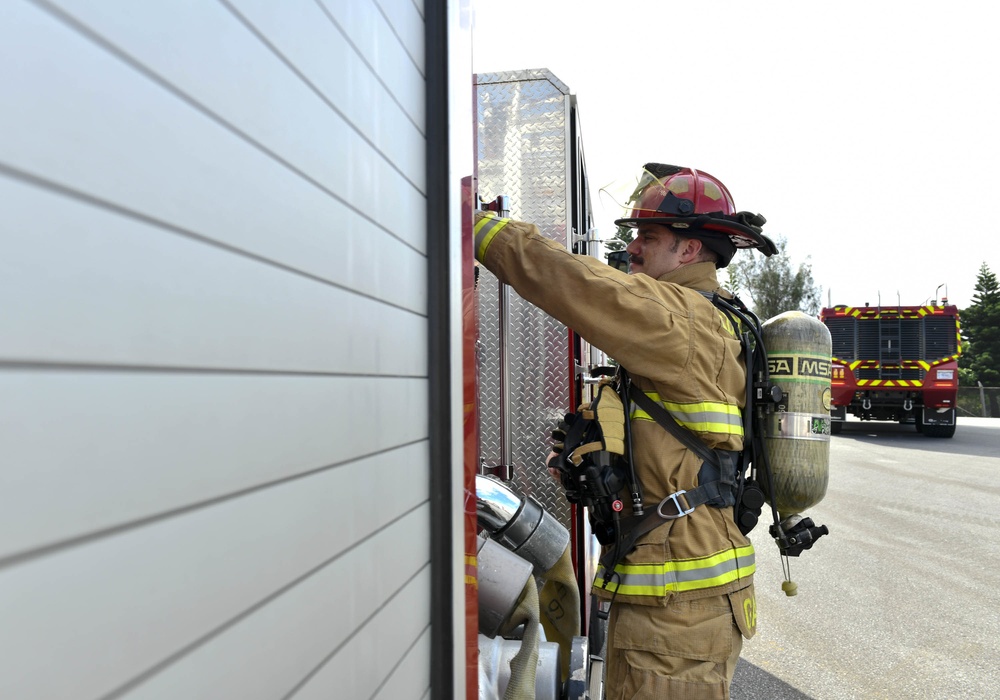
column 605, row 418
column 554, row 471
column 559, row 434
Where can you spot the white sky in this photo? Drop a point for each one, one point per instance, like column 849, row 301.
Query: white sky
column 866, row 132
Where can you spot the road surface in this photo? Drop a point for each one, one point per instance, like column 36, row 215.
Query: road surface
column 902, row 599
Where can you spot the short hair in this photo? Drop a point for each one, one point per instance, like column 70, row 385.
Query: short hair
column 706, row 254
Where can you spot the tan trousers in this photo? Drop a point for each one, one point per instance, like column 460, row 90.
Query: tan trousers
column 687, row 650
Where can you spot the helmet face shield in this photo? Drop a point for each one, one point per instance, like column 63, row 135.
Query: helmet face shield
column 692, row 204
column 670, row 191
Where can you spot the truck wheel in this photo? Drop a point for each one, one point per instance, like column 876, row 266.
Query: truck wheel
column 941, row 431
column 835, row 426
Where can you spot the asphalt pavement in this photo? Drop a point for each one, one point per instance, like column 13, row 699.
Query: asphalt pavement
column 902, row 599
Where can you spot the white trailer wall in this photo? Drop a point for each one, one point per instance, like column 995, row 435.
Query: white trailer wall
column 213, row 350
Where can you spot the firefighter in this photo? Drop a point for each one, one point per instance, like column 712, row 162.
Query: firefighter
column 683, row 598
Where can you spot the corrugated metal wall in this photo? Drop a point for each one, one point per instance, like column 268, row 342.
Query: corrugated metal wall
column 213, row 364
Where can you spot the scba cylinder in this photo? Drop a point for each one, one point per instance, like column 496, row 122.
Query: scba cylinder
column 797, row 434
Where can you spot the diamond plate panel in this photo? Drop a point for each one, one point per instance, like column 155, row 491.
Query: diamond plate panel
column 524, row 152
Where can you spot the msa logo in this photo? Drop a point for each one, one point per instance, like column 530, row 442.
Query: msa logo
column 811, row 367
column 798, row 366
column 782, row 366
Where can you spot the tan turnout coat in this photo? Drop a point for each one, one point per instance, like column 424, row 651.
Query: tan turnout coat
column 678, row 347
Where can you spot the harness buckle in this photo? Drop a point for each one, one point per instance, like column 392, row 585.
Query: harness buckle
column 681, row 511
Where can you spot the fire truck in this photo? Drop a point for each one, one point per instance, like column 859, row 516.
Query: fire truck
column 239, row 364
column 895, row 363
column 524, row 371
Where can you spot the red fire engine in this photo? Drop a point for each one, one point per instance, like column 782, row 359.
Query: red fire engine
column 895, row 363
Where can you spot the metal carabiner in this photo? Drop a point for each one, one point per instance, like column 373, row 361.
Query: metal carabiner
column 681, row 512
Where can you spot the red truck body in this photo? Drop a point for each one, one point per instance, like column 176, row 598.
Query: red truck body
column 897, row 363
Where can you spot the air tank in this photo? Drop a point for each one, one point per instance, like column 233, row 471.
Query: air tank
column 797, row 434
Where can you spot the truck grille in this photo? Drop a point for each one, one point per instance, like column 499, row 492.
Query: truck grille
column 940, row 337
column 909, row 338
column 891, row 340
column 842, row 331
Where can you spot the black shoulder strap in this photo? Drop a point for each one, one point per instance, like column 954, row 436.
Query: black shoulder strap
column 670, row 424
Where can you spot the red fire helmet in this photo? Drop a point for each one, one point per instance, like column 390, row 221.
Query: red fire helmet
column 695, row 204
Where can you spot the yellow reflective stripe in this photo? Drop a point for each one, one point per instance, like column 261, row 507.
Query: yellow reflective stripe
column 702, row 417
column 889, row 382
column 471, row 573
column 727, row 325
column 684, row 575
column 486, row 230
column 876, row 313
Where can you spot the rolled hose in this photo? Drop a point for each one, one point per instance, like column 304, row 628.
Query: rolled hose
column 524, row 528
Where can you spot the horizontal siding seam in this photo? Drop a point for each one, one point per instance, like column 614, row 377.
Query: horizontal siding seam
column 364, row 60
column 392, row 28
column 319, row 93
column 203, row 109
column 184, row 651
column 66, row 191
column 37, row 365
column 19, row 558
column 402, row 658
column 319, row 667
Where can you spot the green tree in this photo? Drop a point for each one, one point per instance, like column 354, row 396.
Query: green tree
column 623, row 236
column 770, row 286
column 616, row 247
column 980, row 359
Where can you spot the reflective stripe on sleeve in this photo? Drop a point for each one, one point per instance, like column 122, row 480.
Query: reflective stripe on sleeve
column 486, row 229
column 684, row 575
column 727, row 325
column 702, row 417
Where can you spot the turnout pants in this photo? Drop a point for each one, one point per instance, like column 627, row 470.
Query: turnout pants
column 687, row 650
